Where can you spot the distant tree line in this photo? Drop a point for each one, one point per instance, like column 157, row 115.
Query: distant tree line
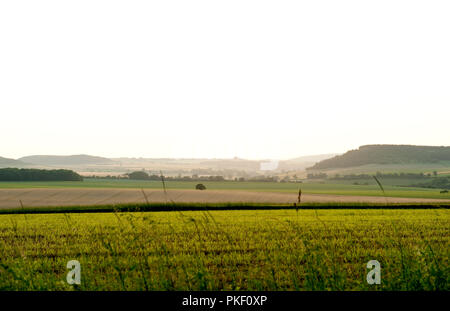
column 107, row 177
column 141, row 175
column 192, row 175
column 316, row 176
column 380, row 175
column 437, row 183
column 227, row 173
column 261, row 179
column 28, row 174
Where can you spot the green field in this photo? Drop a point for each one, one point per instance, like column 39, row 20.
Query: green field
column 227, row 250
column 312, row 188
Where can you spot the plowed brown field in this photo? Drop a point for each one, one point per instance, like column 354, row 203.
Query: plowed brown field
column 10, row 198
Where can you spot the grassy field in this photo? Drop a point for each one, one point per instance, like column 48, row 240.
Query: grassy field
column 312, row 188
column 182, row 207
column 227, row 250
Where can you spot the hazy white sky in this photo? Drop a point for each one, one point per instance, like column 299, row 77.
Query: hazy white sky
column 254, row 79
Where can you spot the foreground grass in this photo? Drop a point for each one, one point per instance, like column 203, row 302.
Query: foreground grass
column 180, row 207
column 311, row 188
column 227, row 250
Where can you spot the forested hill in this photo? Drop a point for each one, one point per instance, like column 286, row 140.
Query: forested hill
column 386, row 154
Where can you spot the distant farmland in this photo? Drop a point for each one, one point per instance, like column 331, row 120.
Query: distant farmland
column 100, row 192
column 10, row 198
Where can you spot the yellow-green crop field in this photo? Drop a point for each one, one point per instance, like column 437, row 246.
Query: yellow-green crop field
column 227, row 250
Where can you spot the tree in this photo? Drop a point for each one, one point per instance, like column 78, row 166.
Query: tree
column 200, row 187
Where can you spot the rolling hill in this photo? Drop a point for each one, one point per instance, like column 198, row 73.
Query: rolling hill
column 51, row 160
column 6, row 162
column 303, row 162
column 386, row 155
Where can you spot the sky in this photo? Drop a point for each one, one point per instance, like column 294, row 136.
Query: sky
column 219, row 79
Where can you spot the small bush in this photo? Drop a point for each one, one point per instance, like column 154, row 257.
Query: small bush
column 200, row 187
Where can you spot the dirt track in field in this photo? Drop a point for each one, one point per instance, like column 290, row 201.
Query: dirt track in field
column 34, row 197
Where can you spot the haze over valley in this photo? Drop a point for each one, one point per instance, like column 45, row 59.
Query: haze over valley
column 366, row 159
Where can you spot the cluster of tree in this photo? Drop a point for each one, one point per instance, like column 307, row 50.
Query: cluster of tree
column 316, row 176
column 139, row 175
column 25, row 174
column 386, row 154
column 437, row 183
column 381, row 175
